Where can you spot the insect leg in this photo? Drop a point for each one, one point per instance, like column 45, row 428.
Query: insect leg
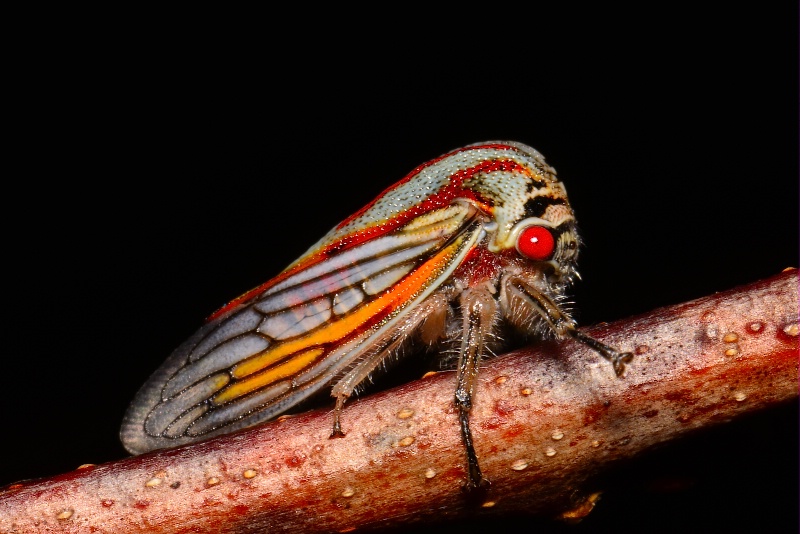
column 479, row 312
column 617, row 359
column 522, row 294
column 345, row 387
column 384, row 348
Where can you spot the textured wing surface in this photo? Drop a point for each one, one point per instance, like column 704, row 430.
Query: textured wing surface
column 281, row 345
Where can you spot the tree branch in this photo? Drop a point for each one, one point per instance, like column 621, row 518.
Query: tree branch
column 546, row 418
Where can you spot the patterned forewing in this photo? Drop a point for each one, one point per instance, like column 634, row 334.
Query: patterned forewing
column 277, row 344
column 282, row 346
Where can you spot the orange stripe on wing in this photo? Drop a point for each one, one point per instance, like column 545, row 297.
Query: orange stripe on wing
column 393, row 298
column 279, row 372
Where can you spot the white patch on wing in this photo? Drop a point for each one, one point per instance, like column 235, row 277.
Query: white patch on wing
column 347, row 300
column 297, row 320
column 378, row 283
column 336, row 280
column 432, row 234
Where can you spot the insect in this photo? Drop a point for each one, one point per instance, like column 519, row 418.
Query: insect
column 478, row 240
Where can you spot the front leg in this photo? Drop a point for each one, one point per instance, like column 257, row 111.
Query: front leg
column 523, row 301
column 479, row 313
column 618, row 359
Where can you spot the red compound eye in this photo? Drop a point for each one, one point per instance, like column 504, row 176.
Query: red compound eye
column 536, row 243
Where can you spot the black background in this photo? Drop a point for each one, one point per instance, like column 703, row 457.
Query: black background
column 161, row 169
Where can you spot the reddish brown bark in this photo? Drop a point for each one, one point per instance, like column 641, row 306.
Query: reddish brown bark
column 545, row 420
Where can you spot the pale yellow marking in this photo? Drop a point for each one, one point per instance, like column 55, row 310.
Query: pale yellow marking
column 447, row 215
column 66, row 514
column 405, row 442
column 730, row 337
column 348, row 492
column 289, row 368
column 220, row 381
column 250, row 473
column 405, row 413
